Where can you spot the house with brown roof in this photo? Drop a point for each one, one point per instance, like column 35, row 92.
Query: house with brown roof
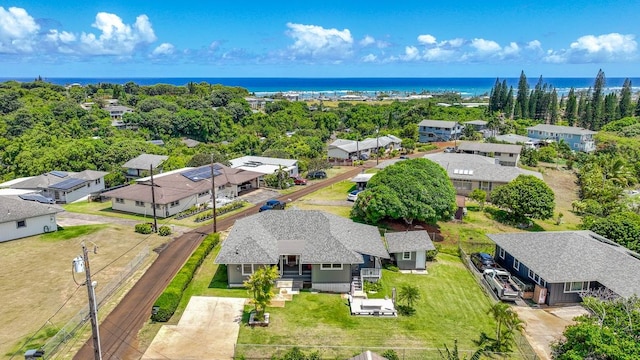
column 178, row 190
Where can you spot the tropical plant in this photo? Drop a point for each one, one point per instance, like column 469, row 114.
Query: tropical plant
column 409, row 294
column 454, row 353
column 525, row 197
column 507, row 322
column 479, row 196
column 260, row 285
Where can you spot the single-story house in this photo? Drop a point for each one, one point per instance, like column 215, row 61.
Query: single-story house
column 117, row 111
column 21, row 218
column 468, row 172
column 265, row 165
column 190, row 143
column 178, row 190
column 569, row 263
column 519, row 140
column 64, row 187
column 142, row 164
column 409, row 248
column 506, row 154
column 361, row 180
column 344, row 149
column 438, row 130
column 322, row 250
column 578, row 139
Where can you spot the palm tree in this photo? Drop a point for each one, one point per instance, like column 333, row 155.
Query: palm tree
column 410, row 294
column 507, row 323
column 454, row 354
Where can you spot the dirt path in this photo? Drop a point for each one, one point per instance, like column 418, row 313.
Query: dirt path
column 118, row 331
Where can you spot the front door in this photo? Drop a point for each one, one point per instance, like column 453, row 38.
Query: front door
column 421, row 260
column 292, row 260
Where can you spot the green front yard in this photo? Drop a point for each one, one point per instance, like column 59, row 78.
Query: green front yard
column 452, row 306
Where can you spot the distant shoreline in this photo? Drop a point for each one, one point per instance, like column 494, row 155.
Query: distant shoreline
column 263, row 86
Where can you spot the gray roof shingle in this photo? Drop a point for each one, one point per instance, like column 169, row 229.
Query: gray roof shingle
column 438, row 124
column 406, row 241
column 13, row 208
column 316, row 236
column 144, row 161
column 489, row 147
column 562, row 129
column 566, row 256
column 478, row 168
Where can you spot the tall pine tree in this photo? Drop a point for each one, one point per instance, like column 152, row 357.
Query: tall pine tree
column 625, row 107
column 571, row 110
column 521, row 107
column 596, row 118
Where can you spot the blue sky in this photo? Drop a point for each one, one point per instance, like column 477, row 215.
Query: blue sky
column 65, row 38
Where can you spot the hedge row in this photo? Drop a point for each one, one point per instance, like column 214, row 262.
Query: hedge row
column 219, row 211
column 168, row 301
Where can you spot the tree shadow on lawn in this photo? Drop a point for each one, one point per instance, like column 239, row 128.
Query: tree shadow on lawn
column 506, row 218
column 219, row 280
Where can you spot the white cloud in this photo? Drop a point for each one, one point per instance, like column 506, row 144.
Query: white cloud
column 483, row 45
column 426, row 39
column 367, row 40
column 411, row 53
column 613, row 47
column 369, row 58
column 511, row 49
column 164, row 49
column 454, row 43
column 317, row 43
column 17, row 30
column 117, row 38
column 534, row 45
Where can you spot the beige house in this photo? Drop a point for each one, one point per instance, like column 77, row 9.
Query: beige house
column 469, row 172
column 178, row 190
column 505, row 154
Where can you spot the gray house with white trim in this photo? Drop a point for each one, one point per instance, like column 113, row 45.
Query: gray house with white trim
column 506, row 154
column 62, row 186
column 142, row 164
column 22, row 218
column 578, row 139
column 567, row 263
column 438, row 130
column 320, row 249
column 409, row 248
column 468, row 172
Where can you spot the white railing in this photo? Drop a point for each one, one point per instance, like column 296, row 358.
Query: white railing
column 370, row 273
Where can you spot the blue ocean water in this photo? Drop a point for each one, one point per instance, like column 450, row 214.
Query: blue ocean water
column 338, row 86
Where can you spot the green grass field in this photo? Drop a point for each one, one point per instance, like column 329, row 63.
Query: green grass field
column 452, row 306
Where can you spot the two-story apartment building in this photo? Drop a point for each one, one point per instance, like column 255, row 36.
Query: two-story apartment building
column 579, row 139
column 436, row 130
column 506, row 154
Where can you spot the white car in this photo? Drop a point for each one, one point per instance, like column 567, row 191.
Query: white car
column 353, row 195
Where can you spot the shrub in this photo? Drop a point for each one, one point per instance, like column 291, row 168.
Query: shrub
column 168, row 301
column 144, row 228
column 390, row 354
column 431, row 254
column 391, row 267
column 370, row 286
column 164, row 230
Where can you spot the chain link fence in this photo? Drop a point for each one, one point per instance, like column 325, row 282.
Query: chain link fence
column 104, row 293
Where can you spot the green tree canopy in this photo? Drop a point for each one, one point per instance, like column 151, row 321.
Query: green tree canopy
column 415, row 189
column 525, row 197
column 623, row 228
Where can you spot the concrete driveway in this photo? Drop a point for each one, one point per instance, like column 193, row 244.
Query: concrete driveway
column 208, row 329
column 546, row 325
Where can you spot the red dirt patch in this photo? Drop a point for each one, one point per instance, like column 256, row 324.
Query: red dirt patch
column 400, row 225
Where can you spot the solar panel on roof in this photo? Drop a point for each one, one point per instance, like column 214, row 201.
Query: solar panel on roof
column 201, row 173
column 67, row 184
column 37, row 197
column 60, row 174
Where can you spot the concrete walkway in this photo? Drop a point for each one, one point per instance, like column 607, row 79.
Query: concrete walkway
column 208, row 329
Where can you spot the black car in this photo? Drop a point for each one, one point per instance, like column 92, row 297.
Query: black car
column 318, row 174
column 483, row 261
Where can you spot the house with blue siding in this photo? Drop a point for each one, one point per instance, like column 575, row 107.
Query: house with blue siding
column 437, row 130
column 579, row 139
column 568, row 264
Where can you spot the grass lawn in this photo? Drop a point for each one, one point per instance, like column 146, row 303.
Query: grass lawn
column 337, row 191
column 452, row 307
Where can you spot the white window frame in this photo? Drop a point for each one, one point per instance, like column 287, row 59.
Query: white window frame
column 330, row 266
column 516, row 264
column 244, row 273
column 568, row 286
column 405, row 257
column 501, row 253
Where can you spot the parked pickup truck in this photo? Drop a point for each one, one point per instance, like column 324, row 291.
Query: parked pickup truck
column 501, row 283
column 273, row 204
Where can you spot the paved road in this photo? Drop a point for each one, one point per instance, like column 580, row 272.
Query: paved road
column 119, row 330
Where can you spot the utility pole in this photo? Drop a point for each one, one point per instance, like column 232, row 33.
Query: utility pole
column 153, row 201
column 82, row 264
column 213, row 197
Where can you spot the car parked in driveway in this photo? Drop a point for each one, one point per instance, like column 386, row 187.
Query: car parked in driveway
column 318, row 174
column 353, row 195
column 299, row 180
column 483, row 261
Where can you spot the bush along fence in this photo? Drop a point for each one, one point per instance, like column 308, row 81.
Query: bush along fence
column 168, row 301
column 220, row 211
column 195, row 209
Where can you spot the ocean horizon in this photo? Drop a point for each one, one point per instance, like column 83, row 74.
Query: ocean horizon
column 309, row 87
